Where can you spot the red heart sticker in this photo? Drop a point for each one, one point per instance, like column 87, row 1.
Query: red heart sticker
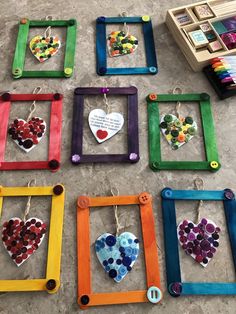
column 101, row 134
column 21, row 239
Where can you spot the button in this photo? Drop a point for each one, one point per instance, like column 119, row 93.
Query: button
column 57, row 190
column 167, row 193
column 214, row 164
column 110, row 240
column 101, row 19
column 71, row 22
column 146, row 18
column 83, row 202
column 24, row 21
column 53, row 164
column 112, row 273
column 175, row 288
column 192, row 131
column 229, row 194
column 84, row 299
column 205, row 245
column 210, row 228
column 204, row 96
column 126, row 261
column 51, row 284
column 153, row 70
column 57, row 96
column 152, row 96
column 154, row 295
column 177, row 123
column 181, row 138
column 75, row 159
column 68, row 71
column 133, row 156
column 168, row 118
column 189, row 120
column 144, row 198
column 17, row 72
column 102, row 70
column 175, row 133
column 163, row 125
column 6, row 96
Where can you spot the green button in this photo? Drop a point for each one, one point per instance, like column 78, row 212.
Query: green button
column 175, row 133
column 192, row 131
column 163, row 125
column 68, row 71
column 177, row 123
column 189, row 120
column 174, row 140
column 168, row 118
column 175, row 147
column 187, row 137
column 146, row 18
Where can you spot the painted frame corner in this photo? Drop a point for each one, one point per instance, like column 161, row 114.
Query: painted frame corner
column 77, row 156
column 21, row 46
column 54, row 150
column 101, row 46
column 86, row 297
column 156, row 163
column 51, row 282
column 175, row 285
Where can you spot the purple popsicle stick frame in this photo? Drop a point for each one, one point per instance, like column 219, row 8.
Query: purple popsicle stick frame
column 77, row 156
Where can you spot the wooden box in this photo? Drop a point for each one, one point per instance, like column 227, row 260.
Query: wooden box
column 183, row 20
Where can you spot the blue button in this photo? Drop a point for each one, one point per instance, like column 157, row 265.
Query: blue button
column 111, row 240
column 154, row 294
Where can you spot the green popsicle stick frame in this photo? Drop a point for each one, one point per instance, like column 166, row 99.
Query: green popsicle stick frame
column 21, row 45
column 212, row 160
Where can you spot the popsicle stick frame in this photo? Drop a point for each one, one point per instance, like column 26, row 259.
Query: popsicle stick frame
column 86, row 297
column 101, row 46
column 21, row 45
column 54, row 150
column 174, row 282
column 156, row 163
column 51, row 283
column 77, row 156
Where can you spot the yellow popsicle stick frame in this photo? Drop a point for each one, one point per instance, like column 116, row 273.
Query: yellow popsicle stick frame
column 51, row 283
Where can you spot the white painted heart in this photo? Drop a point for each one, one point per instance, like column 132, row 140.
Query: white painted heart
column 178, row 131
column 120, row 44
column 199, row 240
column 104, row 126
column 27, row 134
column 21, row 239
column 117, row 254
column 44, row 48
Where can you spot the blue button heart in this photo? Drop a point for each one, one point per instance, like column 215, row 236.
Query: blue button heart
column 117, row 255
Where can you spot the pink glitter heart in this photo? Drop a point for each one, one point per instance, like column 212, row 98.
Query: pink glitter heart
column 199, row 240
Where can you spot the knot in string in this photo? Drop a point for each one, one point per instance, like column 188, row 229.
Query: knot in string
column 32, row 109
column 115, row 192
column 27, row 208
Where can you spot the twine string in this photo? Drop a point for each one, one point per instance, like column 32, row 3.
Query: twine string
column 199, row 185
column 32, row 109
column 177, row 90
column 27, row 208
column 48, row 30
column 126, row 27
column 115, row 192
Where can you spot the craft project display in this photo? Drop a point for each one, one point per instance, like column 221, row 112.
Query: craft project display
column 199, row 240
column 210, row 33
column 43, row 47
column 22, row 237
column 28, row 133
column 176, row 137
column 117, row 253
column 122, row 42
column 104, row 125
column 221, row 73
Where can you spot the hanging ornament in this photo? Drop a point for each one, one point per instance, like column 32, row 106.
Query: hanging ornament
column 45, row 46
column 178, row 130
column 105, row 125
column 117, row 253
column 28, row 133
column 200, row 240
column 22, row 237
column 120, row 43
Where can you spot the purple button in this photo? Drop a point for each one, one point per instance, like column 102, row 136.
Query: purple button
column 204, row 221
column 181, row 232
column 196, row 229
column 191, row 236
column 205, row 245
column 197, row 250
column 210, row 228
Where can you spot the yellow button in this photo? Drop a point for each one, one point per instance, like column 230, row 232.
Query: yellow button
column 146, row 18
column 214, row 164
column 68, row 71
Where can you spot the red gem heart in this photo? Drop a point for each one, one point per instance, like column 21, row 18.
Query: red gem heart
column 199, row 240
column 21, row 239
column 101, row 134
column 27, row 134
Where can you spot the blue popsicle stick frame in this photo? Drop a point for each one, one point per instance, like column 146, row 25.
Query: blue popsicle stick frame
column 101, row 46
column 175, row 285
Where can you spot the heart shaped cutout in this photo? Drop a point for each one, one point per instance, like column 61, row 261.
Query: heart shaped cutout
column 104, row 126
column 178, row 131
column 27, row 134
column 21, row 239
column 117, row 255
column 120, row 44
column 44, row 48
column 199, row 240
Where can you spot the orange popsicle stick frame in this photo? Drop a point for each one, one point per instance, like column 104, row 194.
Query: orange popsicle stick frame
column 86, row 297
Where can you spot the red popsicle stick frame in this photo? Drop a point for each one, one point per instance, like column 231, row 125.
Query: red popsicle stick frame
column 54, row 150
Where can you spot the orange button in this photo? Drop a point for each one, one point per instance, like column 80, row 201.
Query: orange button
column 181, row 138
column 83, row 202
column 153, row 96
column 144, row 198
column 24, row 21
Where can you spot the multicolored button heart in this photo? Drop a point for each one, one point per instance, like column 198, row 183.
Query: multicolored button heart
column 178, row 131
column 44, row 48
column 120, row 44
column 117, row 255
column 21, row 239
column 28, row 134
column 199, row 240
